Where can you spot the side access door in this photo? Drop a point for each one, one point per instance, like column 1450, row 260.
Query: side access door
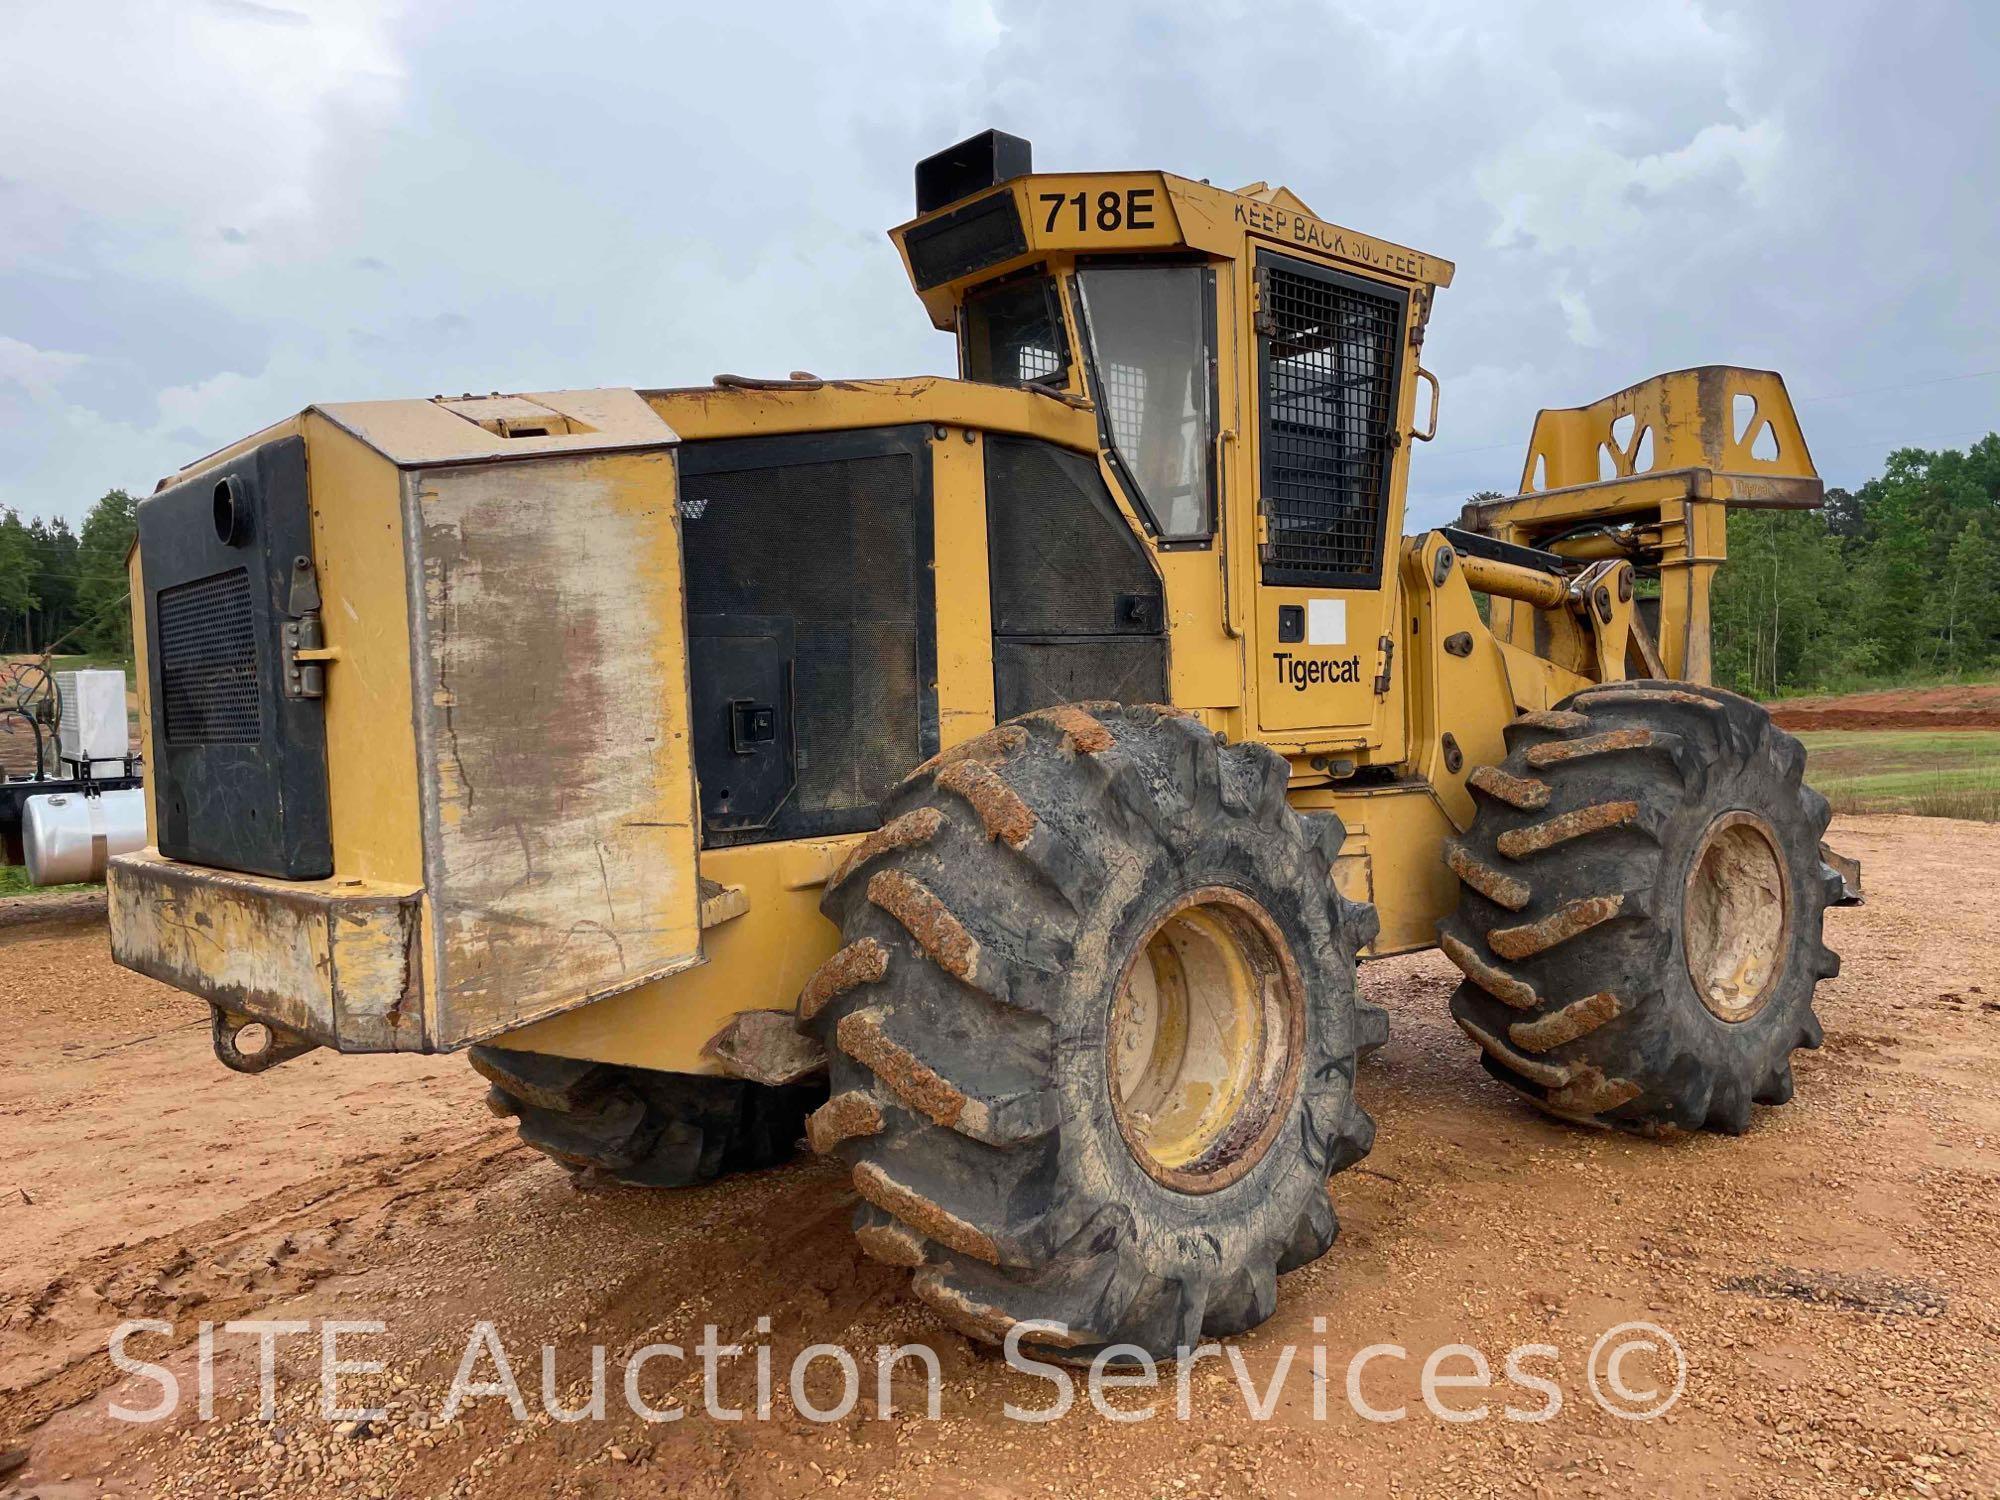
column 1329, row 374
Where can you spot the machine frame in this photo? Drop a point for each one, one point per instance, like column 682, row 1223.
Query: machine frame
column 1417, row 695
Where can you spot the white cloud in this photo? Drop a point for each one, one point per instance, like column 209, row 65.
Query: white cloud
column 1563, row 188
column 37, row 371
column 1577, row 321
column 144, row 131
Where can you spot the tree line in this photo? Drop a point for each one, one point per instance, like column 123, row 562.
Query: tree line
column 1897, row 580
column 66, row 589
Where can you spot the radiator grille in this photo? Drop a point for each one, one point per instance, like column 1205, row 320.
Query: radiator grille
column 1329, row 400
column 208, row 661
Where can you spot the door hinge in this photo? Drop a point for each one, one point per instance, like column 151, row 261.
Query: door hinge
column 1261, row 318
column 1388, row 646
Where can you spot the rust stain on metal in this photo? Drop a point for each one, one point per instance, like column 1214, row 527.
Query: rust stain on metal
column 861, row 962
column 341, row 968
column 1498, row 983
column 940, row 934
column 929, row 1219
column 538, row 905
column 1502, row 890
column 906, row 832
column 1553, row 718
column 982, row 1320
column 1591, row 1093
column 1642, row 695
column 1083, row 734
column 1548, row 1075
column 1578, row 1018
column 1517, row 791
column 1001, row 811
column 1559, row 926
column 861, row 1037
column 842, row 1118
column 1558, row 751
column 891, row 1244
column 990, row 748
column 1522, row 841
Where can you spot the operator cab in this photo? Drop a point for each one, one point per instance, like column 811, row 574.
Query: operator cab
column 1250, row 367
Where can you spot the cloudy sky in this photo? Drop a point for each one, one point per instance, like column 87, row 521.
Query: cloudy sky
column 213, row 212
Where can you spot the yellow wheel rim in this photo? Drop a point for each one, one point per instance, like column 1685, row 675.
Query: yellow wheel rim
column 1736, row 924
column 1204, row 1039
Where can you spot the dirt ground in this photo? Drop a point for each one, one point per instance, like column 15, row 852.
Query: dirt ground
column 1958, row 706
column 1831, row 1277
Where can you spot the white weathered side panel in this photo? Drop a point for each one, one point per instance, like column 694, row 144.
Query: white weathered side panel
column 559, row 786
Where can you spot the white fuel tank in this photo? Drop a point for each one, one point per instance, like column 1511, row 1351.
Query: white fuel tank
column 69, row 837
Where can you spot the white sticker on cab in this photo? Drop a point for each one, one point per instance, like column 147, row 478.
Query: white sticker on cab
column 1326, row 622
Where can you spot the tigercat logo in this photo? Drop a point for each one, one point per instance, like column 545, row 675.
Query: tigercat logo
column 1304, row 674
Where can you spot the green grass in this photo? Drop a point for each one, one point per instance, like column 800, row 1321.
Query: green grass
column 14, row 882
column 1839, row 685
column 1938, row 773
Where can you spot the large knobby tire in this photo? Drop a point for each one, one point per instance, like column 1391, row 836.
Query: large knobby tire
column 1078, row 880
column 642, row 1127
column 1640, row 920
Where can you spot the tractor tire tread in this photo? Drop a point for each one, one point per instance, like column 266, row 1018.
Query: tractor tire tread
column 1572, row 996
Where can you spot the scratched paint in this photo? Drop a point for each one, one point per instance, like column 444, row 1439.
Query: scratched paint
column 560, row 846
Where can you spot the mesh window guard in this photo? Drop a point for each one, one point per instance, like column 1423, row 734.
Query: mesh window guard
column 1013, row 335
column 1329, row 383
column 1124, row 396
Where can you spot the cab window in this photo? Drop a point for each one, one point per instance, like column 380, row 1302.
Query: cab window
column 1148, row 332
column 1013, row 334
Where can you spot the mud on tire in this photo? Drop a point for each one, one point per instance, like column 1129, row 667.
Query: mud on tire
column 642, row 1127
column 1639, row 834
column 987, row 927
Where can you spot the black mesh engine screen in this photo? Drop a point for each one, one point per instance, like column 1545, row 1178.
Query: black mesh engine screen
column 1330, row 354
column 1078, row 609
column 823, row 544
column 207, row 648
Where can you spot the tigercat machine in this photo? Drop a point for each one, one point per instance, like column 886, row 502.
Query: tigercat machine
column 995, row 780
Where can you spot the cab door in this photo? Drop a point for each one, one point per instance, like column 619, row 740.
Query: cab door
column 1329, row 350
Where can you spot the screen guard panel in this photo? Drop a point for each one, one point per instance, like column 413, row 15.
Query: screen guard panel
column 1330, row 365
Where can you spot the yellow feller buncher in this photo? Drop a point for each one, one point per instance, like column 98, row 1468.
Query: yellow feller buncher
column 994, row 780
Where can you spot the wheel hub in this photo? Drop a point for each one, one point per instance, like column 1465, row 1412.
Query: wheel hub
column 1736, row 925
column 1204, row 1040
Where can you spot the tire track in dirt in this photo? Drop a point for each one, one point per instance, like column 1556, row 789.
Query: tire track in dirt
column 52, row 1341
